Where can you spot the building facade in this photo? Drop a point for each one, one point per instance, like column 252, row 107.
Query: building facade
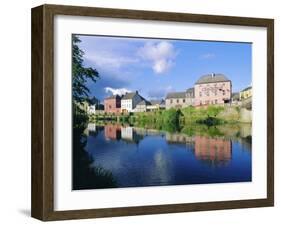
column 156, row 105
column 112, row 104
column 96, row 109
column 246, row 93
column 180, row 99
column 129, row 101
column 142, row 106
column 212, row 89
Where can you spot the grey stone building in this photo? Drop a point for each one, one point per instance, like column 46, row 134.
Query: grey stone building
column 180, row 99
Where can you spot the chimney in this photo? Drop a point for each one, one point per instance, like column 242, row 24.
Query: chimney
column 137, row 92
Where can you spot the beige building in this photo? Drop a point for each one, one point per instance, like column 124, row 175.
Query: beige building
column 180, row 99
column 246, row 93
column 156, row 105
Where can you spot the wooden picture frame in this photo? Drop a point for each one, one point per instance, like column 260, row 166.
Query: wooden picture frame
column 43, row 111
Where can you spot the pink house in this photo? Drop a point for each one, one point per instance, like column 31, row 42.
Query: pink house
column 212, row 89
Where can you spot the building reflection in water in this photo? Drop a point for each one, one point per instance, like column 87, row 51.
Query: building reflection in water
column 212, row 150
column 215, row 151
column 126, row 133
column 112, row 132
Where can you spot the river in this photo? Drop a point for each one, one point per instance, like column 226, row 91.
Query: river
column 137, row 157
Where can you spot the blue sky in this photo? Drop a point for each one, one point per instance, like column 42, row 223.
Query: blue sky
column 157, row 66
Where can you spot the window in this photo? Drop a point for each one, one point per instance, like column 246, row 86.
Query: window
column 183, row 100
column 200, row 94
column 171, row 101
column 177, row 100
column 216, row 101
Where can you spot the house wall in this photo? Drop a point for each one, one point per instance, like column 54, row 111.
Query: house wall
column 112, row 106
column 140, row 108
column 126, row 105
column 179, row 102
column 212, row 93
column 245, row 94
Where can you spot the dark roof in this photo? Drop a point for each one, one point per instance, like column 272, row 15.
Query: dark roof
column 176, row 95
column 210, row 78
column 154, row 102
column 144, row 102
column 93, row 101
column 249, row 87
column 190, row 90
column 112, row 97
column 128, row 96
column 99, row 107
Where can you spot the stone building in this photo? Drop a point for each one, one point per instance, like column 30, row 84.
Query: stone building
column 212, row 89
column 180, row 99
column 142, row 106
column 112, row 104
column 156, row 105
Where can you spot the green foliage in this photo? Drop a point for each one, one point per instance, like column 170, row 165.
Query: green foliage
column 80, row 74
column 202, row 130
column 213, row 111
column 80, row 117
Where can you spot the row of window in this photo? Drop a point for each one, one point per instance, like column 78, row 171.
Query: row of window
column 209, row 102
column 177, row 101
column 208, row 93
column 215, row 85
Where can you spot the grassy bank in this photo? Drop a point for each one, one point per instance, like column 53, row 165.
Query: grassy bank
column 173, row 118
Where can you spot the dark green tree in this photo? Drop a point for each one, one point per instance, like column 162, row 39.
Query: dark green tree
column 80, row 73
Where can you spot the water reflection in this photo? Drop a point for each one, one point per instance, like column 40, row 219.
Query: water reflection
column 216, row 151
column 146, row 157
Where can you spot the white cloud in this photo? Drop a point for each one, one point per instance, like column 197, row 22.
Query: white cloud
column 120, row 91
column 161, row 55
column 109, row 60
column 208, row 56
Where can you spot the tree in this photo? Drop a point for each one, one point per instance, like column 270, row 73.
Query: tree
column 80, row 74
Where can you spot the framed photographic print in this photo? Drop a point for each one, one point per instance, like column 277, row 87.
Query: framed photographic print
column 141, row 112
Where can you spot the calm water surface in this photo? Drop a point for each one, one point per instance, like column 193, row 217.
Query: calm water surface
column 144, row 157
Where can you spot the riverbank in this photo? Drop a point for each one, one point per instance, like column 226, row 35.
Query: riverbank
column 210, row 116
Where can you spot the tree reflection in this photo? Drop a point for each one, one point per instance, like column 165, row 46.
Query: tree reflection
column 85, row 174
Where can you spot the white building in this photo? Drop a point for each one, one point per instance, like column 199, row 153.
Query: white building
column 96, row 109
column 129, row 101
